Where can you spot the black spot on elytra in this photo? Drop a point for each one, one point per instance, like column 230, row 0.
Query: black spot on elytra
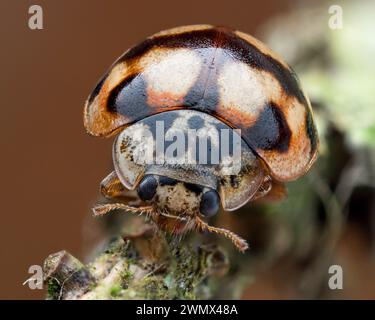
column 270, row 131
column 97, row 89
column 203, row 94
column 129, row 98
column 311, row 131
column 190, row 39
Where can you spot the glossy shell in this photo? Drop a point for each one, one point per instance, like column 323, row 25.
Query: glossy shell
column 219, row 71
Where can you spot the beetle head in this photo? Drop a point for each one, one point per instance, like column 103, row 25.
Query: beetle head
column 177, row 202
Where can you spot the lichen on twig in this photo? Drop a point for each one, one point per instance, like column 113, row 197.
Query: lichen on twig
column 142, row 264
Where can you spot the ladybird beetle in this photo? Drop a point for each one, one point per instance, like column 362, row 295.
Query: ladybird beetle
column 208, row 79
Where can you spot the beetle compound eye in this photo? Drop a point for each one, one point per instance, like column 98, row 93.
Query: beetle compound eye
column 209, row 203
column 147, row 188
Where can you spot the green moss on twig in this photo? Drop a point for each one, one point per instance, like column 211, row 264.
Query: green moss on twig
column 147, row 265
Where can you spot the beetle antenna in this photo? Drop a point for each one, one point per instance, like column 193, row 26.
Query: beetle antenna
column 240, row 243
column 102, row 209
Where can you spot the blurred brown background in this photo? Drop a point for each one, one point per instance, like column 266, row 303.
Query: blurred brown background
column 50, row 168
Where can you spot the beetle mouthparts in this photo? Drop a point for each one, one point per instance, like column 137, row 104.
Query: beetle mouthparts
column 164, row 214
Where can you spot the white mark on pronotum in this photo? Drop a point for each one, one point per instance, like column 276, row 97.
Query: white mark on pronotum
column 335, row 281
column 174, row 145
column 335, row 21
column 36, row 18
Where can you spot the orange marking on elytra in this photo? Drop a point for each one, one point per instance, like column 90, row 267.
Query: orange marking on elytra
column 162, row 99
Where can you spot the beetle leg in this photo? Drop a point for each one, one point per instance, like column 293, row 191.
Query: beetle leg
column 240, row 243
column 111, row 187
column 271, row 191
